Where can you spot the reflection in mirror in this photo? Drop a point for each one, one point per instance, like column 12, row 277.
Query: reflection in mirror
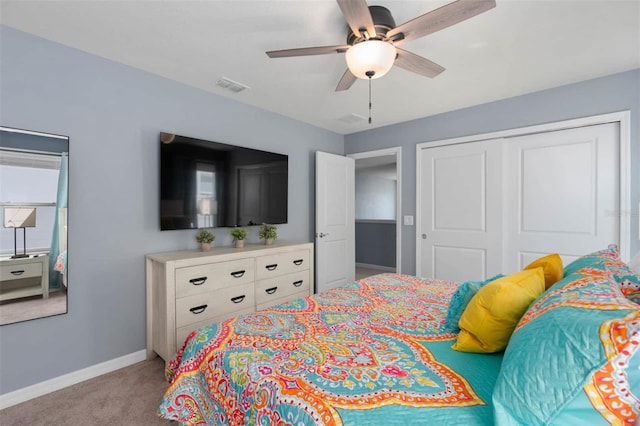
column 33, row 195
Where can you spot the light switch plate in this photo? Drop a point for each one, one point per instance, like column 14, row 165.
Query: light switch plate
column 408, row 220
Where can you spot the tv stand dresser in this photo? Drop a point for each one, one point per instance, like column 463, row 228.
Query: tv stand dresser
column 189, row 289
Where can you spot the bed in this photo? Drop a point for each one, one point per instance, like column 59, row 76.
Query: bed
column 390, row 350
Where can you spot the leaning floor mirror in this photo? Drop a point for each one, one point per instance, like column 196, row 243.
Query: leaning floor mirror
column 33, row 230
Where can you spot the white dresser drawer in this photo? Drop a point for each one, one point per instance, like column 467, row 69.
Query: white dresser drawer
column 279, row 287
column 205, row 278
column 200, row 307
column 281, row 263
column 183, row 332
column 21, row 270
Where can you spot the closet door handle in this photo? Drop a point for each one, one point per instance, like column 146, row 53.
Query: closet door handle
column 297, row 283
column 298, row 262
column 198, row 281
column 271, row 290
column 238, row 274
column 18, row 272
column 198, row 309
column 271, row 267
column 238, row 299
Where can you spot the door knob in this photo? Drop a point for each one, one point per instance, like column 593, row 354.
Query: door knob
column 321, row 234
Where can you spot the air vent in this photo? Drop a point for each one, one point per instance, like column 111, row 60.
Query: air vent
column 352, row 118
column 231, row 85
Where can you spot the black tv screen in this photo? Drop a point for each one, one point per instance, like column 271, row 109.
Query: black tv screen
column 205, row 184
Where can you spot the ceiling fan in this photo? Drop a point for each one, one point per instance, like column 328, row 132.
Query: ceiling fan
column 373, row 39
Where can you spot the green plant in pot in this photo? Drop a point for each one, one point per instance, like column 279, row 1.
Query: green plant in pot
column 205, row 238
column 239, row 235
column 268, row 233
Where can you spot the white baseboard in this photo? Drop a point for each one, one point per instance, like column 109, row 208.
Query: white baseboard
column 378, row 267
column 25, row 394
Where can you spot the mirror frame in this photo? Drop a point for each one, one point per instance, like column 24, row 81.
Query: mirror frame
column 29, row 298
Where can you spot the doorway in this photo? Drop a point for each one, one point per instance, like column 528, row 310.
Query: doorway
column 377, row 211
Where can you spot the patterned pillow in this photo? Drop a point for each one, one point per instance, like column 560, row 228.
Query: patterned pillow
column 559, row 345
column 608, row 261
column 629, row 285
column 460, row 300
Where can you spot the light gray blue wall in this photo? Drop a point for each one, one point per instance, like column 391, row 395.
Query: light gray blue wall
column 599, row 96
column 113, row 114
column 376, row 243
column 375, row 197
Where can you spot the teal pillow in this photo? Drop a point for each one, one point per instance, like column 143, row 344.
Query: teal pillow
column 596, row 261
column 558, row 348
column 608, row 262
column 460, row 300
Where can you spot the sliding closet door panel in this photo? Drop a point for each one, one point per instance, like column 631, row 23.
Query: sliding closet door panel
column 460, row 202
column 562, row 188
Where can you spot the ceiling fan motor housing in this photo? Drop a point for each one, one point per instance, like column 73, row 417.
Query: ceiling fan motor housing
column 382, row 22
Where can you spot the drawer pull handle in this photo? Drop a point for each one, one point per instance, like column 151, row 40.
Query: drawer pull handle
column 298, row 262
column 238, row 274
column 198, row 281
column 271, row 267
column 297, row 283
column 198, row 309
column 271, row 290
column 19, row 272
column 238, row 299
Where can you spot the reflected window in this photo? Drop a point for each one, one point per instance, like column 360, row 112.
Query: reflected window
column 206, row 196
column 30, row 180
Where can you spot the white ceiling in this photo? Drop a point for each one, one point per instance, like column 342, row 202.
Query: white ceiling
column 521, row 46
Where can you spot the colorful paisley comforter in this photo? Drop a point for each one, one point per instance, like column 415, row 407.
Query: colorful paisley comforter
column 371, row 352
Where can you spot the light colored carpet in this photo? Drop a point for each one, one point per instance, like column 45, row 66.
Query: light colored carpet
column 362, row 272
column 33, row 307
column 126, row 397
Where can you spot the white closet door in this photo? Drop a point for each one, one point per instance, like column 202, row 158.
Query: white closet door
column 562, row 193
column 459, row 230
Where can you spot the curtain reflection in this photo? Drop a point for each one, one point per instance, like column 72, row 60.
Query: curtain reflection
column 58, row 250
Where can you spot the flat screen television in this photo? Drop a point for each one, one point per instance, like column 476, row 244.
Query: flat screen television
column 206, row 184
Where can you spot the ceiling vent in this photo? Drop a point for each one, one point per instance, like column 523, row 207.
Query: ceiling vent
column 352, row 118
column 234, row 86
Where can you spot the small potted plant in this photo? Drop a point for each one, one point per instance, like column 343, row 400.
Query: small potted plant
column 268, row 233
column 238, row 234
column 205, row 238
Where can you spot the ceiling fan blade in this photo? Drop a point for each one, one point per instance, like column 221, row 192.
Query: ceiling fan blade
column 439, row 19
column 307, row 51
column 346, row 81
column 357, row 14
column 414, row 63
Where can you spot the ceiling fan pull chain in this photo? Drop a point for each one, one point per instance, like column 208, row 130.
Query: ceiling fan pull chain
column 369, row 99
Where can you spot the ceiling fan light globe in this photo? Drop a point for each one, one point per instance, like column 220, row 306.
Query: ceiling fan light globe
column 370, row 56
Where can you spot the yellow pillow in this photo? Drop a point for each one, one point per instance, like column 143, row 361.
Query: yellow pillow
column 493, row 313
column 552, row 266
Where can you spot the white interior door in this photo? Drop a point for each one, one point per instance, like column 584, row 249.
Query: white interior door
column 335, row 221
column 459, row 229
column 564, row 193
